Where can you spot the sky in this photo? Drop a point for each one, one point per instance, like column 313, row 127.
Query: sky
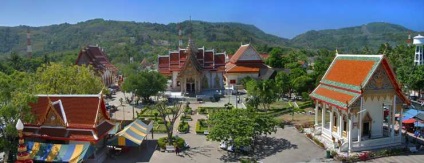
column 284, row 18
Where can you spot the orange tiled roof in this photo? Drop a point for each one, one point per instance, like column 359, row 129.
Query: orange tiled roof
column 234, row 58
column 243, row 68
column 335, row 94
column 347, row 75
column 352, row 72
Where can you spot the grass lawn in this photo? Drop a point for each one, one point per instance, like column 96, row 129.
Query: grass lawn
column 280, row 104
column 159, row 128
column 300, row 118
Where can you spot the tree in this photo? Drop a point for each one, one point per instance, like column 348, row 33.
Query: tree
column 282, row 83
column 145, row 84
column 262, row 92
column 275, row 58
column 15, row 96
column 242, row 126
column 61, row 79
column 245, row 80
column 168, row 116
column 302, row 84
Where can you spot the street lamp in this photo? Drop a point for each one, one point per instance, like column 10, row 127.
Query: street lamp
column 22, row 156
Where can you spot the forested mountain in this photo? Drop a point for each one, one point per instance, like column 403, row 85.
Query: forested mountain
column 353, row 39
column 124, row 39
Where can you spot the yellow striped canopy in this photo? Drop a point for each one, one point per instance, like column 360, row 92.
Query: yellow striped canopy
column 131, row 135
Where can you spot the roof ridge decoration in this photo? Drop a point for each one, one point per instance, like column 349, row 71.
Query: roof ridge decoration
column 191, row 54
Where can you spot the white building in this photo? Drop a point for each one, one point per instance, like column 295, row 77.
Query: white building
column 361, row 95
column 245, row 62
column 419, row 50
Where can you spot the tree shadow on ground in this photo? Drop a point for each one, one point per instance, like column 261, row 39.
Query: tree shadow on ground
column 264, row 147
column 193, row 151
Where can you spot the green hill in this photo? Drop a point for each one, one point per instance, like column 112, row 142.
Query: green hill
column 124, row 39
column 121, row 39
column 352, row 39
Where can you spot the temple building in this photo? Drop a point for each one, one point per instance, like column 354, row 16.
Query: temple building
column 245, row 62
column 68, row 128
column 361, row 95
column 96, row 57
column 193, row 69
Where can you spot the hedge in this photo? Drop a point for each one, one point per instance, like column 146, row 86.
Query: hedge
column 201, row 126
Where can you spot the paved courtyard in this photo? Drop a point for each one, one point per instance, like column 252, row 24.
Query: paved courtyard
column 287, row 144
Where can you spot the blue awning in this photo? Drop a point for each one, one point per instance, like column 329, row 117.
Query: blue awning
column 408, row 114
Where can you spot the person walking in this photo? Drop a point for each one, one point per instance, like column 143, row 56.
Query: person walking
column 177, row 151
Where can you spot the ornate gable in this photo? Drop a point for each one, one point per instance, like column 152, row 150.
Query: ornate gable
column 379, row 81
column 53, row 115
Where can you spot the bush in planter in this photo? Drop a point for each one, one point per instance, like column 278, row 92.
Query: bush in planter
column 183, row 127
column 163, row 142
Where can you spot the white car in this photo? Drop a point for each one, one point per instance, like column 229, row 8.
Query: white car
column 223, row 145
column 230, row 148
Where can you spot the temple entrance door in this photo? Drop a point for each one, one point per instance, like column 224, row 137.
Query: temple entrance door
column 190, row 86
column 366, row 129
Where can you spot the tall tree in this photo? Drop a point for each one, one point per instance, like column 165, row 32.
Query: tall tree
column 145, row 84
column 262, row 92
column 282, row 83
column 15, row 95
column 61, row 79
column 240, row 125
column 169, row 115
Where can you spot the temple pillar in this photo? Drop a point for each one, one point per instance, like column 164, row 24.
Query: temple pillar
column 360, row 121
column 349, row 136
column 331, row 120
column 340, row 129
column 323, row 115
column 316, row 113
column 392, row 118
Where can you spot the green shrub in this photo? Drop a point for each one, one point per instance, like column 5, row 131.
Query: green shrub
column 202, row 110
column 186, row 118
column 183, row 127
column 162, row 142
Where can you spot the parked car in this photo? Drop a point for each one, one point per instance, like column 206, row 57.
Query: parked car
column 223, row 145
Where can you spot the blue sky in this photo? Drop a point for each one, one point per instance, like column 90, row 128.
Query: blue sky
column 283, row 18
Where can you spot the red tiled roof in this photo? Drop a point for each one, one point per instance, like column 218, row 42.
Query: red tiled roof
column 351, row 72
column 234, row 58
column 239, row 53
column 178, row 60
column 97, row 58
column 80, row 110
